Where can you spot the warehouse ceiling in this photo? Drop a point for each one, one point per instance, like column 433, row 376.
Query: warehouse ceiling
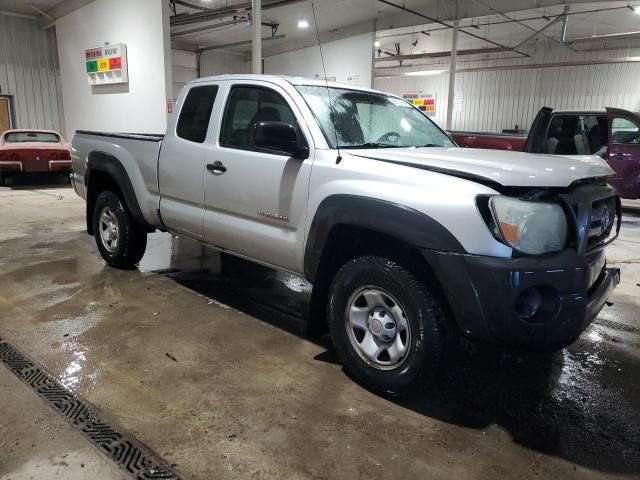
column 45, row 11
column 225, row 23
column 25, row 7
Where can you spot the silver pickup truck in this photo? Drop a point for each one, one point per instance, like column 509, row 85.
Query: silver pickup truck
column 407, row 239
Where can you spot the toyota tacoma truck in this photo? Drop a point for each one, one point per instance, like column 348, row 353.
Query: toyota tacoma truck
column 612, row 134
column 407, row 239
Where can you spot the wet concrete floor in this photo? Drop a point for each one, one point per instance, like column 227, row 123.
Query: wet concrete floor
column 205, row 360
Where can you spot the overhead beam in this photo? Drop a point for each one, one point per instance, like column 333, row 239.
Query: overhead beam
column 442, row 54
column 604, row 38
column 238, row 44
column 60, row 10
column 520, row 66
column 208, row 27
column 18, row 15
column 227, row 11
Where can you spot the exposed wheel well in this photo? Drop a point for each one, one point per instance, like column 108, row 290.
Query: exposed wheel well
column 99, row 181
column 346, row 242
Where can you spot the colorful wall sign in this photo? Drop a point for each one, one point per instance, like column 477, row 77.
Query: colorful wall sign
column 107, row 65
column 424, row 101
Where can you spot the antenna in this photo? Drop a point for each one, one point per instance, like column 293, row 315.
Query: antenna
column 326, row 82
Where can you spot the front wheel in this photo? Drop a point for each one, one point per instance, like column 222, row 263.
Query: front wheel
column 385, row 324
column 121, row 241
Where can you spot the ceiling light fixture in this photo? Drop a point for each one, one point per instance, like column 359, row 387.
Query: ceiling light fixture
column 424, row 73
column 302, row 23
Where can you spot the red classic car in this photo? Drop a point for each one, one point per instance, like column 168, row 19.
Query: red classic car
column 613, row 134
column 32, row 151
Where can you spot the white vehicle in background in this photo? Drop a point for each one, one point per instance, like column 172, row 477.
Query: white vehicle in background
column 406, row 238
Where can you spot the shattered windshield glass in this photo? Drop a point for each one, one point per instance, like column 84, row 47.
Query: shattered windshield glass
column 359, row 119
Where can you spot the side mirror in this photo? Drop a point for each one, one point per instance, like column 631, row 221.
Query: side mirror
column 280, row 137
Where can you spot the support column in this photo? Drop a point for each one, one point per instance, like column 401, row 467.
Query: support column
column 256, row 28
column 452, row 68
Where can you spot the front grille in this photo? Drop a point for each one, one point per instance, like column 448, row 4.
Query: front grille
column 595, row 216
column 602, row 221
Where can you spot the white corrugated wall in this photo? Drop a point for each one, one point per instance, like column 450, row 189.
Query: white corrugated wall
column 30, row 72
column 497, row 99
column 184, row 69
column 213, row 62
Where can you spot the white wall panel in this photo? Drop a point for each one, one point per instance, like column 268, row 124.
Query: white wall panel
column 348, row 60
column 30, row 72
column 137, row 106
column 497, row 99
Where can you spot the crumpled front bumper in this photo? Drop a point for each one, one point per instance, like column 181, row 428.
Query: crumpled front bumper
column 490, row 297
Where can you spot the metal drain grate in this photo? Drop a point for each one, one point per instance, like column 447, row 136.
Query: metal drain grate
column 622, row 327
column 121, row 448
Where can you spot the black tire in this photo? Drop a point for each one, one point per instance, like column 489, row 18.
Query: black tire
column 132, row 237
column 424, row 316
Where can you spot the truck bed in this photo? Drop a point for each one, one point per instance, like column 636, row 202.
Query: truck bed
column 135, row 154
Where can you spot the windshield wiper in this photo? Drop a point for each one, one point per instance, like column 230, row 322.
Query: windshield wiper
column 430, row 145
column 371, row 145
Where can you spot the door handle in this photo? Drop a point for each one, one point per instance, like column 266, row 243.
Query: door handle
column 620, row 156
column 217, row 168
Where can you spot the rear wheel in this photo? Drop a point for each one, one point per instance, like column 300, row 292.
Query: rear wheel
column 121, row 241
column 385, row 324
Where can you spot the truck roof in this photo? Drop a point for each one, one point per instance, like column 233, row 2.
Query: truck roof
column 284, row 79
column 598, row 111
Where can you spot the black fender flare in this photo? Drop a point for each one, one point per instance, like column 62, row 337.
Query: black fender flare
column 412, row 228
column 107, row 163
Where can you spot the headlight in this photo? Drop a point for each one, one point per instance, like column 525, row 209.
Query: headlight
column 530, row 227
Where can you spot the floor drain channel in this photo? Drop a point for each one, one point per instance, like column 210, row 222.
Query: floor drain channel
column 121, row 448
column 622, row 327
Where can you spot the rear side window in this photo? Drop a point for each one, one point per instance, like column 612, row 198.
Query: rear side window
column 196, row 111
column 247, row 106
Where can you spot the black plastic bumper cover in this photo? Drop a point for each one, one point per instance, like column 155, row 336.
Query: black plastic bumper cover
column 482, row 294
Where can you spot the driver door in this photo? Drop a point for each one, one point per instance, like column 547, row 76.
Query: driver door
column 255, row 199
column 624, row 152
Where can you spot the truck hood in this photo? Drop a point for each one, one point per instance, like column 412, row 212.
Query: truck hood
column 505, row 168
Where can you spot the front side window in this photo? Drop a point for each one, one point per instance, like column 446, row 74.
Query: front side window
column 624, row 131
column 357, row 119
column 196, row 112
column 246, row 107
column 23, row 137
column 577, row 135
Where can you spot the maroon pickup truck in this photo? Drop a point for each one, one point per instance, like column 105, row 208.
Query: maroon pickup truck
column 613, row 134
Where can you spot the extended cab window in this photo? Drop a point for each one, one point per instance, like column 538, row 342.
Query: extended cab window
column 247, row 106
column 196, row 111
column 577, row 135
column 624, row 131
